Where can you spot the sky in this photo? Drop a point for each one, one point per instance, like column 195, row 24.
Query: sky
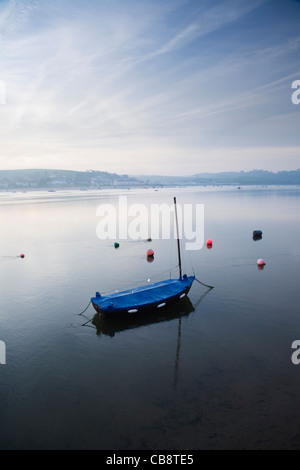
column 165, row 87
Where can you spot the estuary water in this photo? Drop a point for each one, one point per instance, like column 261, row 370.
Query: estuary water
column 213, row 372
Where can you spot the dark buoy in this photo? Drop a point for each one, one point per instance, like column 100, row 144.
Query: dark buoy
column 116, row 245
column 257, row 235
column 149, row 239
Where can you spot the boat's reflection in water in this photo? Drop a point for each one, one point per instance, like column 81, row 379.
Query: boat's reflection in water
column 111, row 326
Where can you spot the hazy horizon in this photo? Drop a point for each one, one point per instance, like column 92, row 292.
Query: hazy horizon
column 178, row 87
column 170, row 175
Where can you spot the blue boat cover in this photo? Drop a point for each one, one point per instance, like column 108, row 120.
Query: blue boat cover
column 145, row 296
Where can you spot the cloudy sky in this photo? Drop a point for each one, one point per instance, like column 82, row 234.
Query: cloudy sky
column 170, row 87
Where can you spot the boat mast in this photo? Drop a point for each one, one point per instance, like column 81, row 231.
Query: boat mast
column 178, row 243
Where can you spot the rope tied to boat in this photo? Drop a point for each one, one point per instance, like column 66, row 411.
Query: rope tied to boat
column 202, row 284
column 85, row 308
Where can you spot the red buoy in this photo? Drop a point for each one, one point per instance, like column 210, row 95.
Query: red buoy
column 22, row 255
column 150, row 253
column 261, row 262
column 209, row 243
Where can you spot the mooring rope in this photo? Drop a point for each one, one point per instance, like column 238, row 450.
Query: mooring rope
column 85, row 308
column 196, row 279
column 202, row 284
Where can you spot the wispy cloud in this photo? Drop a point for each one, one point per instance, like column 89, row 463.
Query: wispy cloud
column 249, row 98
column 13, row 13
column 210, row 20
column 114, row 85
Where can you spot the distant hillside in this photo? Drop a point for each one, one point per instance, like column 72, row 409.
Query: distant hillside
column 55, row 179
column 32, row 179
column 253, row 177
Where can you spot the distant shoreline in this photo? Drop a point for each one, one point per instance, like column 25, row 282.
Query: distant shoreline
column 55, row 180
column 116, row 190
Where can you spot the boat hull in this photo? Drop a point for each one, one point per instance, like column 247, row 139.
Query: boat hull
column 146, row 298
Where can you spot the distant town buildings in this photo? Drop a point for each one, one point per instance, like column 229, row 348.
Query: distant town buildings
column 60, row 179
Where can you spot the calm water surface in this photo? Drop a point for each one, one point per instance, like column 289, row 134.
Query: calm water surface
column 213, row 372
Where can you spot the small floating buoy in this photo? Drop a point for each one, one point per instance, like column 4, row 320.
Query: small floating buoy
column 257, row 235
column 149, row 239
column 22, row 256
column 209, row 243
column 116, row 245
column 260, row 262
column 150, row 253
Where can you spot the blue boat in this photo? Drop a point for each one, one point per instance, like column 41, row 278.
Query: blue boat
column 149, row 297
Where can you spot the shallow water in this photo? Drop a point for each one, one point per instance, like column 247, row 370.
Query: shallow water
column 213, row 372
